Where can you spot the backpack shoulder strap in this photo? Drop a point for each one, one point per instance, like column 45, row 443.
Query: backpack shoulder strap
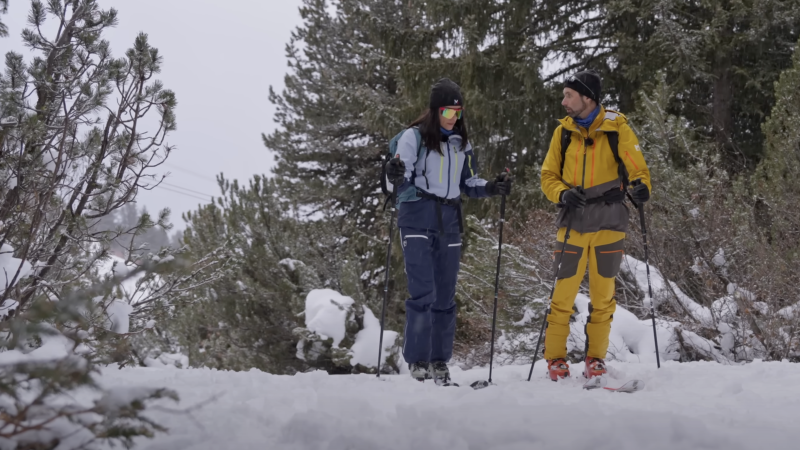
column 613, row 142
column 418, row 135
column 422, row 154
column 566, row 138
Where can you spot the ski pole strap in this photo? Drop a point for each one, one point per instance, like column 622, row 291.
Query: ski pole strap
column 456, row 202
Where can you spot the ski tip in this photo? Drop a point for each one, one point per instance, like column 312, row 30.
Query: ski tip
column 629, row 387
column 480, row 384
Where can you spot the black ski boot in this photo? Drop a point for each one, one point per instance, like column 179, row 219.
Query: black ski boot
column 441, row 374
column 420, row 371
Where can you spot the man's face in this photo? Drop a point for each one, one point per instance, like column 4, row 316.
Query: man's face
column 574, row 103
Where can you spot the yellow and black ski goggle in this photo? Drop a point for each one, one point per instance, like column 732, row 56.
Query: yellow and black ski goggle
column 449, row 113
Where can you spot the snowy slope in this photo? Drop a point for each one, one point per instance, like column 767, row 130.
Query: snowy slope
column 684, row 406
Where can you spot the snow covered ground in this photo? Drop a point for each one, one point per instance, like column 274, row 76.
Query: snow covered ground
column 684, row 406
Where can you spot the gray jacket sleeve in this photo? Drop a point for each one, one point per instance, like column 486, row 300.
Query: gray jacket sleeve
column 407, row 149
column 471, row 183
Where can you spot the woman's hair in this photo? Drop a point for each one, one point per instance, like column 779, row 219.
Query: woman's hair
column 430, row 130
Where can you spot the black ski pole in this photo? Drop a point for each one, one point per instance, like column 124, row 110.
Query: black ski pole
column 640, row 207
column 552, row 291
column 587, row 142
column 386, row 278
column 497, row 281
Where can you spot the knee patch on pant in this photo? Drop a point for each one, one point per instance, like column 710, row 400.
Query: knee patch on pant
column 569, row 260
column 609, row 258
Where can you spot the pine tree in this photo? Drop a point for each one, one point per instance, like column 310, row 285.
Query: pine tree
column 341, row 105
column 71, row 157
column 246, row 317
column 722, row 58
column 3, row 10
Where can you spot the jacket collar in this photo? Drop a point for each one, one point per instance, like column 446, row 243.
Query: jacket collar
column 605, row 121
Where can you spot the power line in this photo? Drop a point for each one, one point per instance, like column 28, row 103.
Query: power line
column 184, row 193
column 186, row 189
column 181, row 169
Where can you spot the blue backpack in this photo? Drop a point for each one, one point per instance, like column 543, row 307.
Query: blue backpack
column 422, row 155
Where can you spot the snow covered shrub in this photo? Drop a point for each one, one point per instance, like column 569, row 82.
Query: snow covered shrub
column 131, row 327
column 523, row 290
column 244, row 318
column 727, row 241
column 342, row 337
column 81, row 133
column 253, row 315
column 49, row 393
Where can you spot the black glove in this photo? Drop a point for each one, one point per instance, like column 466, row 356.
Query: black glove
column 501, row 185
column 396, row 171
column 574, row 198
column 640, row 192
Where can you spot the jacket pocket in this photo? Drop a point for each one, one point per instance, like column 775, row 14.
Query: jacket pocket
column 569, row 260
column 609, row 258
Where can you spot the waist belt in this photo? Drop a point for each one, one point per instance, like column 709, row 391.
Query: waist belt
column 609, row 197
column 614, row 195
column 443, row 201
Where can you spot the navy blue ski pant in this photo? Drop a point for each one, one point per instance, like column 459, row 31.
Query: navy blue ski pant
column 432, row 262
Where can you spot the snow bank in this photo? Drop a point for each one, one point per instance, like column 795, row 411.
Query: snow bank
column 365, row 349
column 117, row 267
column 10, row 266
column 291, row 264
column 53, row 348
column 326, row 313
column 630, row 339
column 663, row 291
column 168, row 360
column 118, row 316
column 683, row 406
column 7, row 307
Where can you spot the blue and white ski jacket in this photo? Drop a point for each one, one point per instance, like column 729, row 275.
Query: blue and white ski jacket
column 447, row 175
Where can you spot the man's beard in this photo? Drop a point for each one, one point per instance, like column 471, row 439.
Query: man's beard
column 577, row 114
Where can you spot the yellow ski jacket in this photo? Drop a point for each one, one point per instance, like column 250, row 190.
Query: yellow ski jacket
column 589, row 162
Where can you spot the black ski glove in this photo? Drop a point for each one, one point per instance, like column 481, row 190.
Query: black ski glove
column 640, row 192
column 396, row 171
column 574, row 198
column 501, row 185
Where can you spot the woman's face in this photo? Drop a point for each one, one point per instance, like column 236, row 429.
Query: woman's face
column 449, row 116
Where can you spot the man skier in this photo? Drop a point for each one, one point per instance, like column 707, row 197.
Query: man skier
column 593, row 154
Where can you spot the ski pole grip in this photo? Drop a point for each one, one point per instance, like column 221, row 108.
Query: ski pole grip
column 634, row 183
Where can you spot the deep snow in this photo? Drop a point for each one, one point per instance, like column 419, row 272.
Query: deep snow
column 684, row 406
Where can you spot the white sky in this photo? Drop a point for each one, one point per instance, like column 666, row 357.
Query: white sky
column 220, row 58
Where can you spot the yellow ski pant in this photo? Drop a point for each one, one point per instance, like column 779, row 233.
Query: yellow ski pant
column 603, row 250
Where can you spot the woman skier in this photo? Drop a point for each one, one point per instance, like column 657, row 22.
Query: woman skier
column 435, row 164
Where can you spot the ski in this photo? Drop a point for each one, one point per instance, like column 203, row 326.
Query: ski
column 595, row 383
column 480, row 384
column 600, row 383
column 629, row 387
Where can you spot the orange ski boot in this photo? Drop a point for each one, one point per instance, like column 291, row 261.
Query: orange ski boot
column 595, row 367
column 557, row 368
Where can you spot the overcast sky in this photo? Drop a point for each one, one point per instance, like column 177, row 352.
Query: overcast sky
column 220, row 59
